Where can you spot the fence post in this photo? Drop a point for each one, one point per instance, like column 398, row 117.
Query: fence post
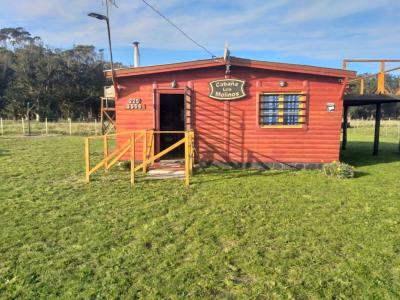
column 87, row 160
column 95, row 126
column 70, row 126
column 47, row 128
column 398, row 129
column 23, row 125
column 133, row 159
column 398, row 132
column 1, row 125
column 386, row 126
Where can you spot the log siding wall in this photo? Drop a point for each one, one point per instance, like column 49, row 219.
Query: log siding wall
column 229, row 131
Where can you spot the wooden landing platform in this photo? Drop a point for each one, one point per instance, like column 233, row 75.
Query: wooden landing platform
column 368, row 99
column 166, row 169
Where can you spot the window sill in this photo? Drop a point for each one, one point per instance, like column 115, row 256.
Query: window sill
column 282, row 126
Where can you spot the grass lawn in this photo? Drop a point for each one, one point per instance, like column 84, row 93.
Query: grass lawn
column 231, row 234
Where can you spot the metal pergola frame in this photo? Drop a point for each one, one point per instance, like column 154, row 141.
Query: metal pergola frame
column 370, row 99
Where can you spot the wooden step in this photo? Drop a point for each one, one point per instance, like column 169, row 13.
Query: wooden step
column 166, row 169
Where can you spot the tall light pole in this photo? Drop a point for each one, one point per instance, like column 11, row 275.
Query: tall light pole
column 105, row 18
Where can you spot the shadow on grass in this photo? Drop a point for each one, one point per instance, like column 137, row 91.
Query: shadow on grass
column 3, row 152
column 358, row 174
column 359, row 154
column 226, row 173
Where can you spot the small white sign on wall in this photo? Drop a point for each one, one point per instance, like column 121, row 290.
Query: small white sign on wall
column 330, row 107
column 135, row 104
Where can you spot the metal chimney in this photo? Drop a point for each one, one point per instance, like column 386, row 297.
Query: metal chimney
column 136, row 55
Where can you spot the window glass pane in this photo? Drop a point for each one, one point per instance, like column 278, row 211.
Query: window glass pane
column 291, row 107
column 281, row 109
column 269, row 109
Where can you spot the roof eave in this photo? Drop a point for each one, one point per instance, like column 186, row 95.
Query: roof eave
column 282, row 67
column 165, row 68
column 295, row 68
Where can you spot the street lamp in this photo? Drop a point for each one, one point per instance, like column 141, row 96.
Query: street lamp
column 104, row 18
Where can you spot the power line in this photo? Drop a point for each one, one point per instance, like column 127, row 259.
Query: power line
column 179, row 29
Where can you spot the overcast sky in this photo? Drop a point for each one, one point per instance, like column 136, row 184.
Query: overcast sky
column 319, row 32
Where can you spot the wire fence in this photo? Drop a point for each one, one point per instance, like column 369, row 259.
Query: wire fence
column 389, row 128
column 23, row 127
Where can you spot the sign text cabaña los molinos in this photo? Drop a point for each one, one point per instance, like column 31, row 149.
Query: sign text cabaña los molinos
column 227, row 89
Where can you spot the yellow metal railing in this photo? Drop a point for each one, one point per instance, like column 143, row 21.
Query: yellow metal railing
column 148, row 157
column 381, row 88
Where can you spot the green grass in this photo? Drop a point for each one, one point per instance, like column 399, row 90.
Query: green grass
column 231, row 234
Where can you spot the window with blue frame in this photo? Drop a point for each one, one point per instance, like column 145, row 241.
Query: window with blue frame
column 282, row 110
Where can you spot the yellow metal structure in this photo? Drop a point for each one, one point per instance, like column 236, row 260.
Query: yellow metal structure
column 147, row 138
column 381, row 89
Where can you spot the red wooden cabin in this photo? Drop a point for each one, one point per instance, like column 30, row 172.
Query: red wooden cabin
column 286, row 115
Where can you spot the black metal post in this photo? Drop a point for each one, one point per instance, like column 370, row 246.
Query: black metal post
column 109, row 44
column 345, row 124
column 111, row 56
column 106, row 18
column 378, row 114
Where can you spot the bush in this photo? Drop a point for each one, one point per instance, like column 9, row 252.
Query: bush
column 339, row 170
column 124, row 165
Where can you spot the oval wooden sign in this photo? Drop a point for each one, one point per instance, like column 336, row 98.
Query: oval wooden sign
column 227, row 89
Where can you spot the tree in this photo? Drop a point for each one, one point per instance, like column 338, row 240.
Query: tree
column 57, row 83
column 368, row 111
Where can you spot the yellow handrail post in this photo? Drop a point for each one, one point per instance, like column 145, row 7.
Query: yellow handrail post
column 193, row 149
column 144, row 152
column 189, row 154
column 133, row 159
column 381, row 80
column 187, row 158
column 105, row 150
column 189, row 151
column 87, row 160
column 191, row 134
column 153, row 139
column 148, row 155
column 398, row 87
column 362, row 86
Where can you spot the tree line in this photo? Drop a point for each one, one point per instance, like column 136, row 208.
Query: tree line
column 389, row 110
column 52, row 83
column 67, row 83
